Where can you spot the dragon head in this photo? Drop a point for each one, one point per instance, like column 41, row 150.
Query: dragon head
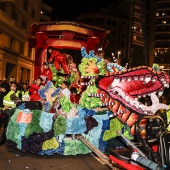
column 127, row 86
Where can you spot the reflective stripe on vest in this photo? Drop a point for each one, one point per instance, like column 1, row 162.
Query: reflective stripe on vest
column 7, row 100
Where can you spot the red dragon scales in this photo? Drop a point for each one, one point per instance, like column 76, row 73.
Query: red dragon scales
column 121, row 90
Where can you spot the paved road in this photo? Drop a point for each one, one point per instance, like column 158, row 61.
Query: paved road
column 17, row 160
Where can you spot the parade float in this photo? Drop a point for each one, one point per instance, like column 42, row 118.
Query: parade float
column 110, row 97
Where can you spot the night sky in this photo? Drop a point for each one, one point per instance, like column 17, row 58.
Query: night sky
column 69, row 9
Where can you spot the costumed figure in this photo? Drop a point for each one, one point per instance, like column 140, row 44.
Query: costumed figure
column 65, row 89
column 33, row 90
column 46, row 74
column 59, row 60
column 74, row 97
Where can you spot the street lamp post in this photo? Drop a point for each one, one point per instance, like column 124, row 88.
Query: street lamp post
column 118, row 54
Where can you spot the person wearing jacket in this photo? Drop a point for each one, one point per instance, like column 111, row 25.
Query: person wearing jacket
column 25, row 92
column 59, row 60
column 9, row 101
column 12, row 97
column 46, row 74
column 33, row 90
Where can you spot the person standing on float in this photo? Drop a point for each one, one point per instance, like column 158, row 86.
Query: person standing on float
column 46, row 74
column 33, row 89
column 59, row 60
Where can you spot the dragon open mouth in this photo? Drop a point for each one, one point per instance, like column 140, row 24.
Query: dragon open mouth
column 126, row 87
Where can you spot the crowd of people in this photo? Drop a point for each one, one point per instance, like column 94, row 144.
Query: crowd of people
column 12, row 93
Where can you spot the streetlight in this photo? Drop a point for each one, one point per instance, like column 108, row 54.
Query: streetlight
column 118, row 53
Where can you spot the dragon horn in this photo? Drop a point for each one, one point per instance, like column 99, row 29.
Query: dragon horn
column 84, row 53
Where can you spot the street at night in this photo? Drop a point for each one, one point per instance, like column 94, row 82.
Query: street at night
column 17, row 160
column 84, row 85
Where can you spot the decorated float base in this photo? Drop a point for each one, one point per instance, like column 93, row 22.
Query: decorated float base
column 40, row 133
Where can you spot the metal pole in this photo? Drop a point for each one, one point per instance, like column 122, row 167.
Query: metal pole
column 131, row 144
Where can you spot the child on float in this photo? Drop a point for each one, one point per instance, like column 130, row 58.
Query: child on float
column 46, row 74
column 33, row 89
column 74, row 97
column 64, row 91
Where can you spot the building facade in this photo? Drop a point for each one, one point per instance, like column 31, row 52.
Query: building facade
column 123, row 20
column 117, row 33
column 162, row 34
column 16, row 58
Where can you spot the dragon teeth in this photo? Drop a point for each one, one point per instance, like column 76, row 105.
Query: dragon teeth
column 154, row 80
column 129, row 79
column 162, row 79
column 147, row 79
column 144, row 95
column 166, row 85
column 160, row 93
column 135, row 78
column 123, row 80
column 141, row 78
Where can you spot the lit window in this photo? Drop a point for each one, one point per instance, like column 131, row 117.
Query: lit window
column 164, row 22
column 157, row 14
column 163, row 13
column 135, row 27
column 140, row 30
column 134, row 37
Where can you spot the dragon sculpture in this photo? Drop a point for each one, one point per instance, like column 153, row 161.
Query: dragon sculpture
column 109, row 85
column 120, row 90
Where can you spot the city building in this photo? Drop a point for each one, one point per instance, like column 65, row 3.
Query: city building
column 117, row 27
column 16, row 58
column 139, row 30
column 123, row 21
column 136, row 39
column 162, row 34
column 45, row 13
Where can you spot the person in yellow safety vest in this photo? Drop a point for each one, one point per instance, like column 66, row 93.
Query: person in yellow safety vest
column 25, row 92
column 12, row 97
column 9, row 103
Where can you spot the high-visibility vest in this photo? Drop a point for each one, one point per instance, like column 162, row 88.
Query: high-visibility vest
column 18, row 94
column 7, row 100
column 25, row 93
